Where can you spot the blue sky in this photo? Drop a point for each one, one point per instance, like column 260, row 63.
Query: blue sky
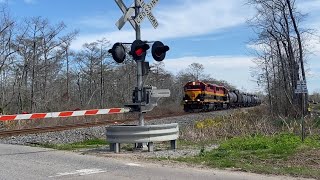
column 210, row 32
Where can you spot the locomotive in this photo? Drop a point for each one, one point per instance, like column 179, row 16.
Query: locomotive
column 206, row 96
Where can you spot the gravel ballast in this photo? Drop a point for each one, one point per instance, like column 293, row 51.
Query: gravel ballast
column 81, row 134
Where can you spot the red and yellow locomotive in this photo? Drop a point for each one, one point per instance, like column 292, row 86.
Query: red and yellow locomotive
column 204, row 96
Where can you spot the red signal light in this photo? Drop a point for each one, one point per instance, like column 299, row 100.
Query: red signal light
column 139, row 52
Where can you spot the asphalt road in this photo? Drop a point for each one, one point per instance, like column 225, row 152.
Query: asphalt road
column 22, row 162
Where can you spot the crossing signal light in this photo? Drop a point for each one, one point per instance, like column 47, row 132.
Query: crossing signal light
column 159, row 50
column 139, row 50
column 118, row 52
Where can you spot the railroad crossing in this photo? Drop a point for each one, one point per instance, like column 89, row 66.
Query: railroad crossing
column 144, row 98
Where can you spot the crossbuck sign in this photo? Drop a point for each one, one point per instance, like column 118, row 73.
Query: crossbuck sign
column 146, row 11
column 128, row 12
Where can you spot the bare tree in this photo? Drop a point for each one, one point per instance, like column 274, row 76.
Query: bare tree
column 196, row 70
column 7, row 51
column 39, row 63
column 282, row 51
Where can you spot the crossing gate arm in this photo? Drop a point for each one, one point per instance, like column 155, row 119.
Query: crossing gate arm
column 64, row 114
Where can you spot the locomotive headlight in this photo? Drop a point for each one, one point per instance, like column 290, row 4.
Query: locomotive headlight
column 185, row 100
column 198, row 99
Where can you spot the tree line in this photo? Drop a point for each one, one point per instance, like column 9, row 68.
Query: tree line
column 39, row 72
column 281, row 53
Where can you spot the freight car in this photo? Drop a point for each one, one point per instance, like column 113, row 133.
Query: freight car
column 205, row 96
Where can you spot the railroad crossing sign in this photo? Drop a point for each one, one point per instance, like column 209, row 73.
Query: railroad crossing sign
column 128, row 12
column 146, row 11
column 301, row 87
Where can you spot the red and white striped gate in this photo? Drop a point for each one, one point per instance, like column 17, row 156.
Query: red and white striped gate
column 64, row 114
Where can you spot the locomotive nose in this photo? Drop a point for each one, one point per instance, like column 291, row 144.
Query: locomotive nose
column 193, row 96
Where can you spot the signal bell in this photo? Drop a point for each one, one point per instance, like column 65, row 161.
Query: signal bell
column 118, row 52
column 139, row 50
column 159, row 50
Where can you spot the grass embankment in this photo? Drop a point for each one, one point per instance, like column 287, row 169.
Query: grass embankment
column 92, row 143
column 253, row 141
column 279, row 154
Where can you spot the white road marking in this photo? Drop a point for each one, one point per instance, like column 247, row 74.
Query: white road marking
column 134, row 164
column 81, row 172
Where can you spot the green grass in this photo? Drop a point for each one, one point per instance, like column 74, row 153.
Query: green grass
column 261, row 154
column 92, row 143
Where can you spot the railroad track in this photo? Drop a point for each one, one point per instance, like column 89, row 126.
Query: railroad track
column 7, row 133
column 16, row 132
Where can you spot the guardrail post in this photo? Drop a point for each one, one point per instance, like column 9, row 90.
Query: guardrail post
column 115, row 147
column 173, row 144
column 150, row 147
column 111, row 145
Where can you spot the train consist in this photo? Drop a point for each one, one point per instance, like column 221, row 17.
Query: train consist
column 205, row 96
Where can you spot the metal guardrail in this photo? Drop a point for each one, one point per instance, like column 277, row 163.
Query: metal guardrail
column 141, row 134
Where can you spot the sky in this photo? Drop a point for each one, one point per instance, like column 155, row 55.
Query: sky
column 213, row 33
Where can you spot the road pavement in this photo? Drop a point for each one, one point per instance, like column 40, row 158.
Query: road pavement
column 23, row 162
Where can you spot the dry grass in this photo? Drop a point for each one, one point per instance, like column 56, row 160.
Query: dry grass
column 247, row 122
column 237, row 124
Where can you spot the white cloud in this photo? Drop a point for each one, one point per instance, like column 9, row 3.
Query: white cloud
column 228, row 62
column 185, row 19
column 233, row 69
